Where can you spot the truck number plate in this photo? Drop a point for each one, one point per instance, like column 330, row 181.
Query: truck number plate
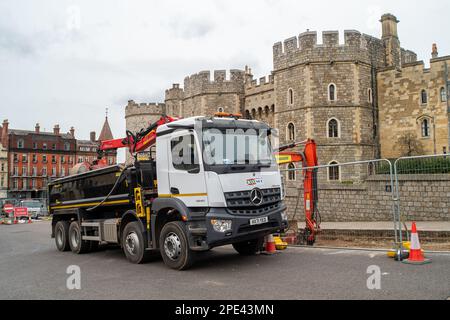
column 260, row 220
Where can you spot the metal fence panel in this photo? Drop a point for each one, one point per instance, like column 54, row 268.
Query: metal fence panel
column 356, row 204
column 422, row 186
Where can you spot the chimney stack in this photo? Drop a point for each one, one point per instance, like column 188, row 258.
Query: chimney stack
column 93, row 136
column 56, row 129
column 72, row 132
column 434, row 52
column 37, row 128
column 5, row 133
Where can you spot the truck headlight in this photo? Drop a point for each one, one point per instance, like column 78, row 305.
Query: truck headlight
column 220, row 225
column 284, row 216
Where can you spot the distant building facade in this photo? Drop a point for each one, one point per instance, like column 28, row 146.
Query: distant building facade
column 354, row 96
column 3, row 160
column 37, row 157
column 33, row 158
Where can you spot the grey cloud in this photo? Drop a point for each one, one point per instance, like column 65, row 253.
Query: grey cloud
column 188, row 28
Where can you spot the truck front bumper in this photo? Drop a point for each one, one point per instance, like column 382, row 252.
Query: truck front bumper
column 202, row 235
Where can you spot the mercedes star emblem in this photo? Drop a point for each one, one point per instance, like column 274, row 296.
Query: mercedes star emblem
column 256, row 196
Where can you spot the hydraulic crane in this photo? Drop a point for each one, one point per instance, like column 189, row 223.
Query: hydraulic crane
column 308, row 159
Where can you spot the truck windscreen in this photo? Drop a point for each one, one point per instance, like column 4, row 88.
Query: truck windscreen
column 237, row 149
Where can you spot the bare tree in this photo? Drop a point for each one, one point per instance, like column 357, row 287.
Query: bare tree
column 409, row 145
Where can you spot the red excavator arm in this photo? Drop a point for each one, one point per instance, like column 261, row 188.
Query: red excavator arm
column 139, row 141
column 308, row 158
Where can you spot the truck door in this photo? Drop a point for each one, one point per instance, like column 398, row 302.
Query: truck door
column 186, row 173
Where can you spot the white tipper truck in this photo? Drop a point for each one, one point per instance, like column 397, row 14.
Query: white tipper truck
column 204, row 182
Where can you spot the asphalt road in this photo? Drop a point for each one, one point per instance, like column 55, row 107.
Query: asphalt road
column 32, row 268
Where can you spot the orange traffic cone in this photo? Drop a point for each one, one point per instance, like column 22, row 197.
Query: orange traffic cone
column 415, row 252
column 270, row 245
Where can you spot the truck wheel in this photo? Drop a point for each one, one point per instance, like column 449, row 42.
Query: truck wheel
column 77, row 245
column 133, row 243
column 174, row 246
column 249, row 247
column 62, row 235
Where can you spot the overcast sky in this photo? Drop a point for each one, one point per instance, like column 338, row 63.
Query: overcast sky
column 66, row 61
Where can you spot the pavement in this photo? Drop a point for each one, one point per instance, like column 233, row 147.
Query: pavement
column 32, row 268
column 382, row 225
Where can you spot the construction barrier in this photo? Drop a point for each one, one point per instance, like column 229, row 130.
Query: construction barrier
column 21, row 212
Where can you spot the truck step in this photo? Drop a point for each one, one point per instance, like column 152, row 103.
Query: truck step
column 91, row 238
column 90, row 224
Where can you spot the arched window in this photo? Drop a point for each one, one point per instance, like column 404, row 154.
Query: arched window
column 290, row 132
column 247, row 114
column 266, row 111
column 370, row 95
column 220, row 109
column 20, row 143
column 424, row 97
column 253, row 113
column 333, row 172
column 291, row 172
column 425, row 128
column 443, row 94
column 333, row 128
column 290, row 97
column 272, row 108
column 332, row 92
column 260, row 112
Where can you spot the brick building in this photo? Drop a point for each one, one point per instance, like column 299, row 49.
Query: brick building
column 3, row 160
column 33, row 158
column 37, row 157
column 87, row 149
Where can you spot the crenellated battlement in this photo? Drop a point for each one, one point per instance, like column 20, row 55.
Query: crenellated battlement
column 202, row 82
column 174, row 93
column 135, row 109
column 305, row 48
column 264, row 84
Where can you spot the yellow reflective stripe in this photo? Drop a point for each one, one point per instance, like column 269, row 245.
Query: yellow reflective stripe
column 182, row 195
column 89, row 204
column 282, row 159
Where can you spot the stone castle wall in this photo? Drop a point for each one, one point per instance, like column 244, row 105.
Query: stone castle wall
column 308, row 70
column 260, row 100
column 401, row 111
column 422, row 198
column 203, row 95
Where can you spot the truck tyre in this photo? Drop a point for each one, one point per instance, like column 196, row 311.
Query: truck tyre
column 249, row 247
column 133, row 243
column 174, row 246
column 77, row 245
column 62, row 235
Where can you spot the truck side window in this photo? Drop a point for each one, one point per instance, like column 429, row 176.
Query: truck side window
column 184, row 153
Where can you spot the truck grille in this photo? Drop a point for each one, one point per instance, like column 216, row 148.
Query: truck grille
column 239, row 202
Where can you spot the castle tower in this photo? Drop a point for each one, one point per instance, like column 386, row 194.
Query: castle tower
column 391, row 41
column 140, row 116
column 174, row 101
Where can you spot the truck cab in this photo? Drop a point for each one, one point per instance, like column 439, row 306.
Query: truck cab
column 222, row 174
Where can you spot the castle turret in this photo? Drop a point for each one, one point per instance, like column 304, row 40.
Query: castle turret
column 391, row 41
column 173, row 100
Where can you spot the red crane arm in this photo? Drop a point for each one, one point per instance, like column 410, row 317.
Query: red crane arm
column 141, row 141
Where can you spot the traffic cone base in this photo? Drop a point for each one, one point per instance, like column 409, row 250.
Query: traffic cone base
column 270, row 247
column 415, row 252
